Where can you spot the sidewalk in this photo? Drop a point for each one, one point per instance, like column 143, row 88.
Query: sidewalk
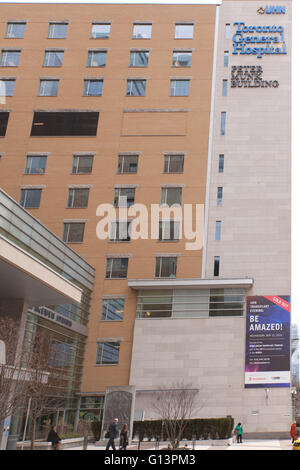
column 267, row 444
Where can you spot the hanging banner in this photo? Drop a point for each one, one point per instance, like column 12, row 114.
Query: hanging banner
column 268, row 341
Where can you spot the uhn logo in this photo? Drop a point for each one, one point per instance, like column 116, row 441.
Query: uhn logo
column 272, row 10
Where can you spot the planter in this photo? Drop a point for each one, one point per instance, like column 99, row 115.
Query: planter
column 43, row 445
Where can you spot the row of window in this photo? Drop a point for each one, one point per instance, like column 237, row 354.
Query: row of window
column 99, row 30
column 94, row 87
column 96, row 58
column 83, row 164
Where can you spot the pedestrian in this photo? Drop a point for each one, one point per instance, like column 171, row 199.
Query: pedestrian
column 124, row 437
column 112, row 434
column 54, row 438
column 294, row 432
column 239, row 433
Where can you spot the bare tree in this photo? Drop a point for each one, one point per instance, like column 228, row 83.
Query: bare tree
column 13, row 383
column 174, row 405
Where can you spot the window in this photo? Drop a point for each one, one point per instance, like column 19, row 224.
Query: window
column 127, row 163
column 227, row 31
column 116, row 268
column 78, row 197
column 165, row 266
column 7, row 86
column 184, row 31
column 182, row 59
column 216, row 265
column 15, row 30
column 223, row 123
column 169, row 230
column 3, row 122
column 221, row 163
column 179, row 87
column 30, row 198
column 124, row 197
column 96, row 58
column 226, row 58
column 35, row 165
column 108, row 353
column 218, row 230
column 139, row 58
column 173, row 163
column 100, row 30
column 224, row 87
column 136, row 87
column 65, row 123
column 48, row 87
column 58, row 30
column 53, row 58
column 112, row 309
column 82, row 164
column 154, row 303
column 226, row 302
column 219, row 196
column 10, row 58
column 92, row 87
column 73, row 232
column 120, row 231
column 170, row 196
column 142, row 31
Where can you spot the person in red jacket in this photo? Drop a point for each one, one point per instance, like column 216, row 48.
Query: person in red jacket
column 294, row 432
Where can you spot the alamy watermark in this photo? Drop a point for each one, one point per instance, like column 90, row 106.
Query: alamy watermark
column 158, row 222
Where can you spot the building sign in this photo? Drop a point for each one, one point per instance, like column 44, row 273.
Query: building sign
column 258, row 40
column 267, row 342
column 250, row 76
column 272, row 10
column 55, row 317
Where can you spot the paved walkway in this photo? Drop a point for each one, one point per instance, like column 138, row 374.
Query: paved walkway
column 267, row 444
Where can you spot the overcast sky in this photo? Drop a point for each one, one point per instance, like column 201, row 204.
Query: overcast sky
column 295, row 133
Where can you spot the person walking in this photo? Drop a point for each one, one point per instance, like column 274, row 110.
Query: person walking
column 294, row 432
column 112, row 434
column 124, row 437
column 239, row 433
column 54, row 438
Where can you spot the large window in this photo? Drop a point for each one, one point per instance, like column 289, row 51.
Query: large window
column 108, row 353
column 7, row 86
column 3, row 122
column 73, row 232
column 53, row 58
column 82, row 164
column 136, row 87
column 100, row 30
column 116, row 268
column 190, row 303
column 48, row 87
column 78, row 197
column 184, row 31
column 96, row 58
column 170, row 196
column 173, row 163
column 179, row 87
column 165, row 266
column 120, row 231
column 35, row 165
column 15, row 30
column 142, row 31
column 127, row 163
column 30, row 198
column 10, row 58
column 112, row 309
column 65, row 123
column 124, row 197
column 139, row 58
column 182, row 59
column 92, row 87
column 58, row 30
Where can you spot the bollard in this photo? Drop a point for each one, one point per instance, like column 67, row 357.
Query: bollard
column 85, row 442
